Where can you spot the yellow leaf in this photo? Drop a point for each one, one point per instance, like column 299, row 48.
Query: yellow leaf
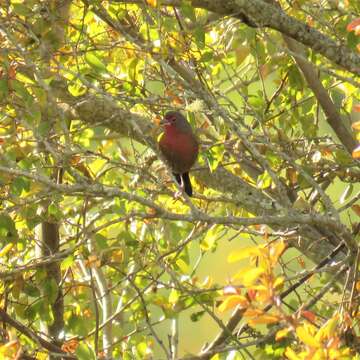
column 183, row 266
column 152, row 3
column 304, row 335
column 278, row 282
column 41, row 355
column 356, row 152
column 328, row 329
column 356, row 125
column 208, row 242
column 264, row 319
column 282, row 333
column 174, row 296
column 243, row 254
column 9, row 350
column 117, row 256
column 291, row 354
column 232, row 301
column 6, row 249
column 249, row 276
column 253, row 312
column 276, row 251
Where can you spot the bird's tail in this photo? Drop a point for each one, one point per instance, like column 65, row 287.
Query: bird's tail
column 184, row 180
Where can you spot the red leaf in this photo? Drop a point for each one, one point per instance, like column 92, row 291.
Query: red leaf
column 352, row 26
column 308, row 315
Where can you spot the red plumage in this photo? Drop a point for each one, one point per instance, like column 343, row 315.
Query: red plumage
column 179, row 146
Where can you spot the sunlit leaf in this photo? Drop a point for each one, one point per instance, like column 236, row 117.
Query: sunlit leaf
column 356, row 152
column 329, row 328
column 282, row 333
column 279, row 282
column 291, row 354
column 264, row 180
column 183, row 266
column 152, row 3
column 243, row 254
column 249, row 276
column 356, row 125
column 306, row 337
column 232, row 301
column 265, row 319
column 174, row 296
column 208, row 242
column 6, row 249
column 276, row 251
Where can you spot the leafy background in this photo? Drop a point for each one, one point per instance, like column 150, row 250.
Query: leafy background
column 90, row 228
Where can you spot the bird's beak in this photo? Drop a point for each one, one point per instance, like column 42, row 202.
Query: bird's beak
column 164, row 122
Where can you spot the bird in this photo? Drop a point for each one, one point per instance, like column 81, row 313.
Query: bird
column 180, row 147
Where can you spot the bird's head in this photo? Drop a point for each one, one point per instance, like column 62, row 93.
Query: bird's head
column 175, row 121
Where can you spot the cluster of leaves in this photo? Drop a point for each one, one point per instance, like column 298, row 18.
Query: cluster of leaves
column 298, row 334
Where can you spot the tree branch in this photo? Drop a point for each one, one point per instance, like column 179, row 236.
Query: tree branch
column 33, row 336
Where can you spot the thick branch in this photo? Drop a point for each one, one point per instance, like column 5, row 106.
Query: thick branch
column 332, row 115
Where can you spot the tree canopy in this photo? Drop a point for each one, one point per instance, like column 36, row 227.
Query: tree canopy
column 103, row 255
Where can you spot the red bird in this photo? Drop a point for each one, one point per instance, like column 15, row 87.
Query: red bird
column 179, row 146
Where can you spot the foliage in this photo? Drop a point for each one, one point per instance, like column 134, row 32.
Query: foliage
column 99, row 257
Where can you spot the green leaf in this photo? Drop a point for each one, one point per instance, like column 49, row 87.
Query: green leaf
column 101, row 241
column 67, row 262
column 170, row 24
column 214, row 156
column 20, row 90
column 209, row 241
column 44, row 128
column 256, row 101
column 95, row 62
column 174, row 296
column 188, row 11
column 50, row 288
column 206, row 56
column 295, row 79
column 4, row 90
column 53, row 210
column 194, row 317
column 21, row 9
column 7, row 226
column 337, row 97
column 84, row 352
column 31, row 290
column 199, row 35
column 264, row 180
column 45, row 312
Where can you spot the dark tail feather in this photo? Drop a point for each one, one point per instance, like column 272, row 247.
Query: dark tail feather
column 187, row 183
column 184, row 180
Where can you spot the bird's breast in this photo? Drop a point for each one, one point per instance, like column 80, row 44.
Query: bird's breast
column 180, row 150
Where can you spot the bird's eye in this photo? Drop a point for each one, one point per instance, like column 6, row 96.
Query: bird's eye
column 171, row 118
